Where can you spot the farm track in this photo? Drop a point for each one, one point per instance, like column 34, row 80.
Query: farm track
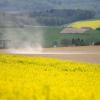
column 89, row 54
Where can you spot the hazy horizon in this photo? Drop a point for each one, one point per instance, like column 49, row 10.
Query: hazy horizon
column 32, row 5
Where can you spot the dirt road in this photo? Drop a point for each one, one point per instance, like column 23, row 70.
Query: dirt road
column 89, row 54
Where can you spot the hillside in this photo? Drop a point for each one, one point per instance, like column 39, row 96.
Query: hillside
column 46, row 18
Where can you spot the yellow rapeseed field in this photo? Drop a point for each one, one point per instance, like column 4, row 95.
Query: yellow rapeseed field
column 82, row 24
column 38, row 78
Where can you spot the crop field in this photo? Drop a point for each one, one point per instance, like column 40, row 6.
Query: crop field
column 39, row 78
column 89, row 23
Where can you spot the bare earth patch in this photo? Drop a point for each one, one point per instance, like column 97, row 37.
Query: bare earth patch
column 89, row 54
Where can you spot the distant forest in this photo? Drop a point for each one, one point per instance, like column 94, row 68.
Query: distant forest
column 53, row 17
column 61, row 16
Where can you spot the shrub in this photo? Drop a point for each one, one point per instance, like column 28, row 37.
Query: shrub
column 97, row 43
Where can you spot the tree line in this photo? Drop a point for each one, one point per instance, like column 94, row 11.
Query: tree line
column 61, row 16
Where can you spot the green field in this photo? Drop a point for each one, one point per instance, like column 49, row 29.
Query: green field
column 51, row 34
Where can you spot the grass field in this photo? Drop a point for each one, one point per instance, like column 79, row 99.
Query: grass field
column 89, row 23
column 38, row 78
column 51, row 34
